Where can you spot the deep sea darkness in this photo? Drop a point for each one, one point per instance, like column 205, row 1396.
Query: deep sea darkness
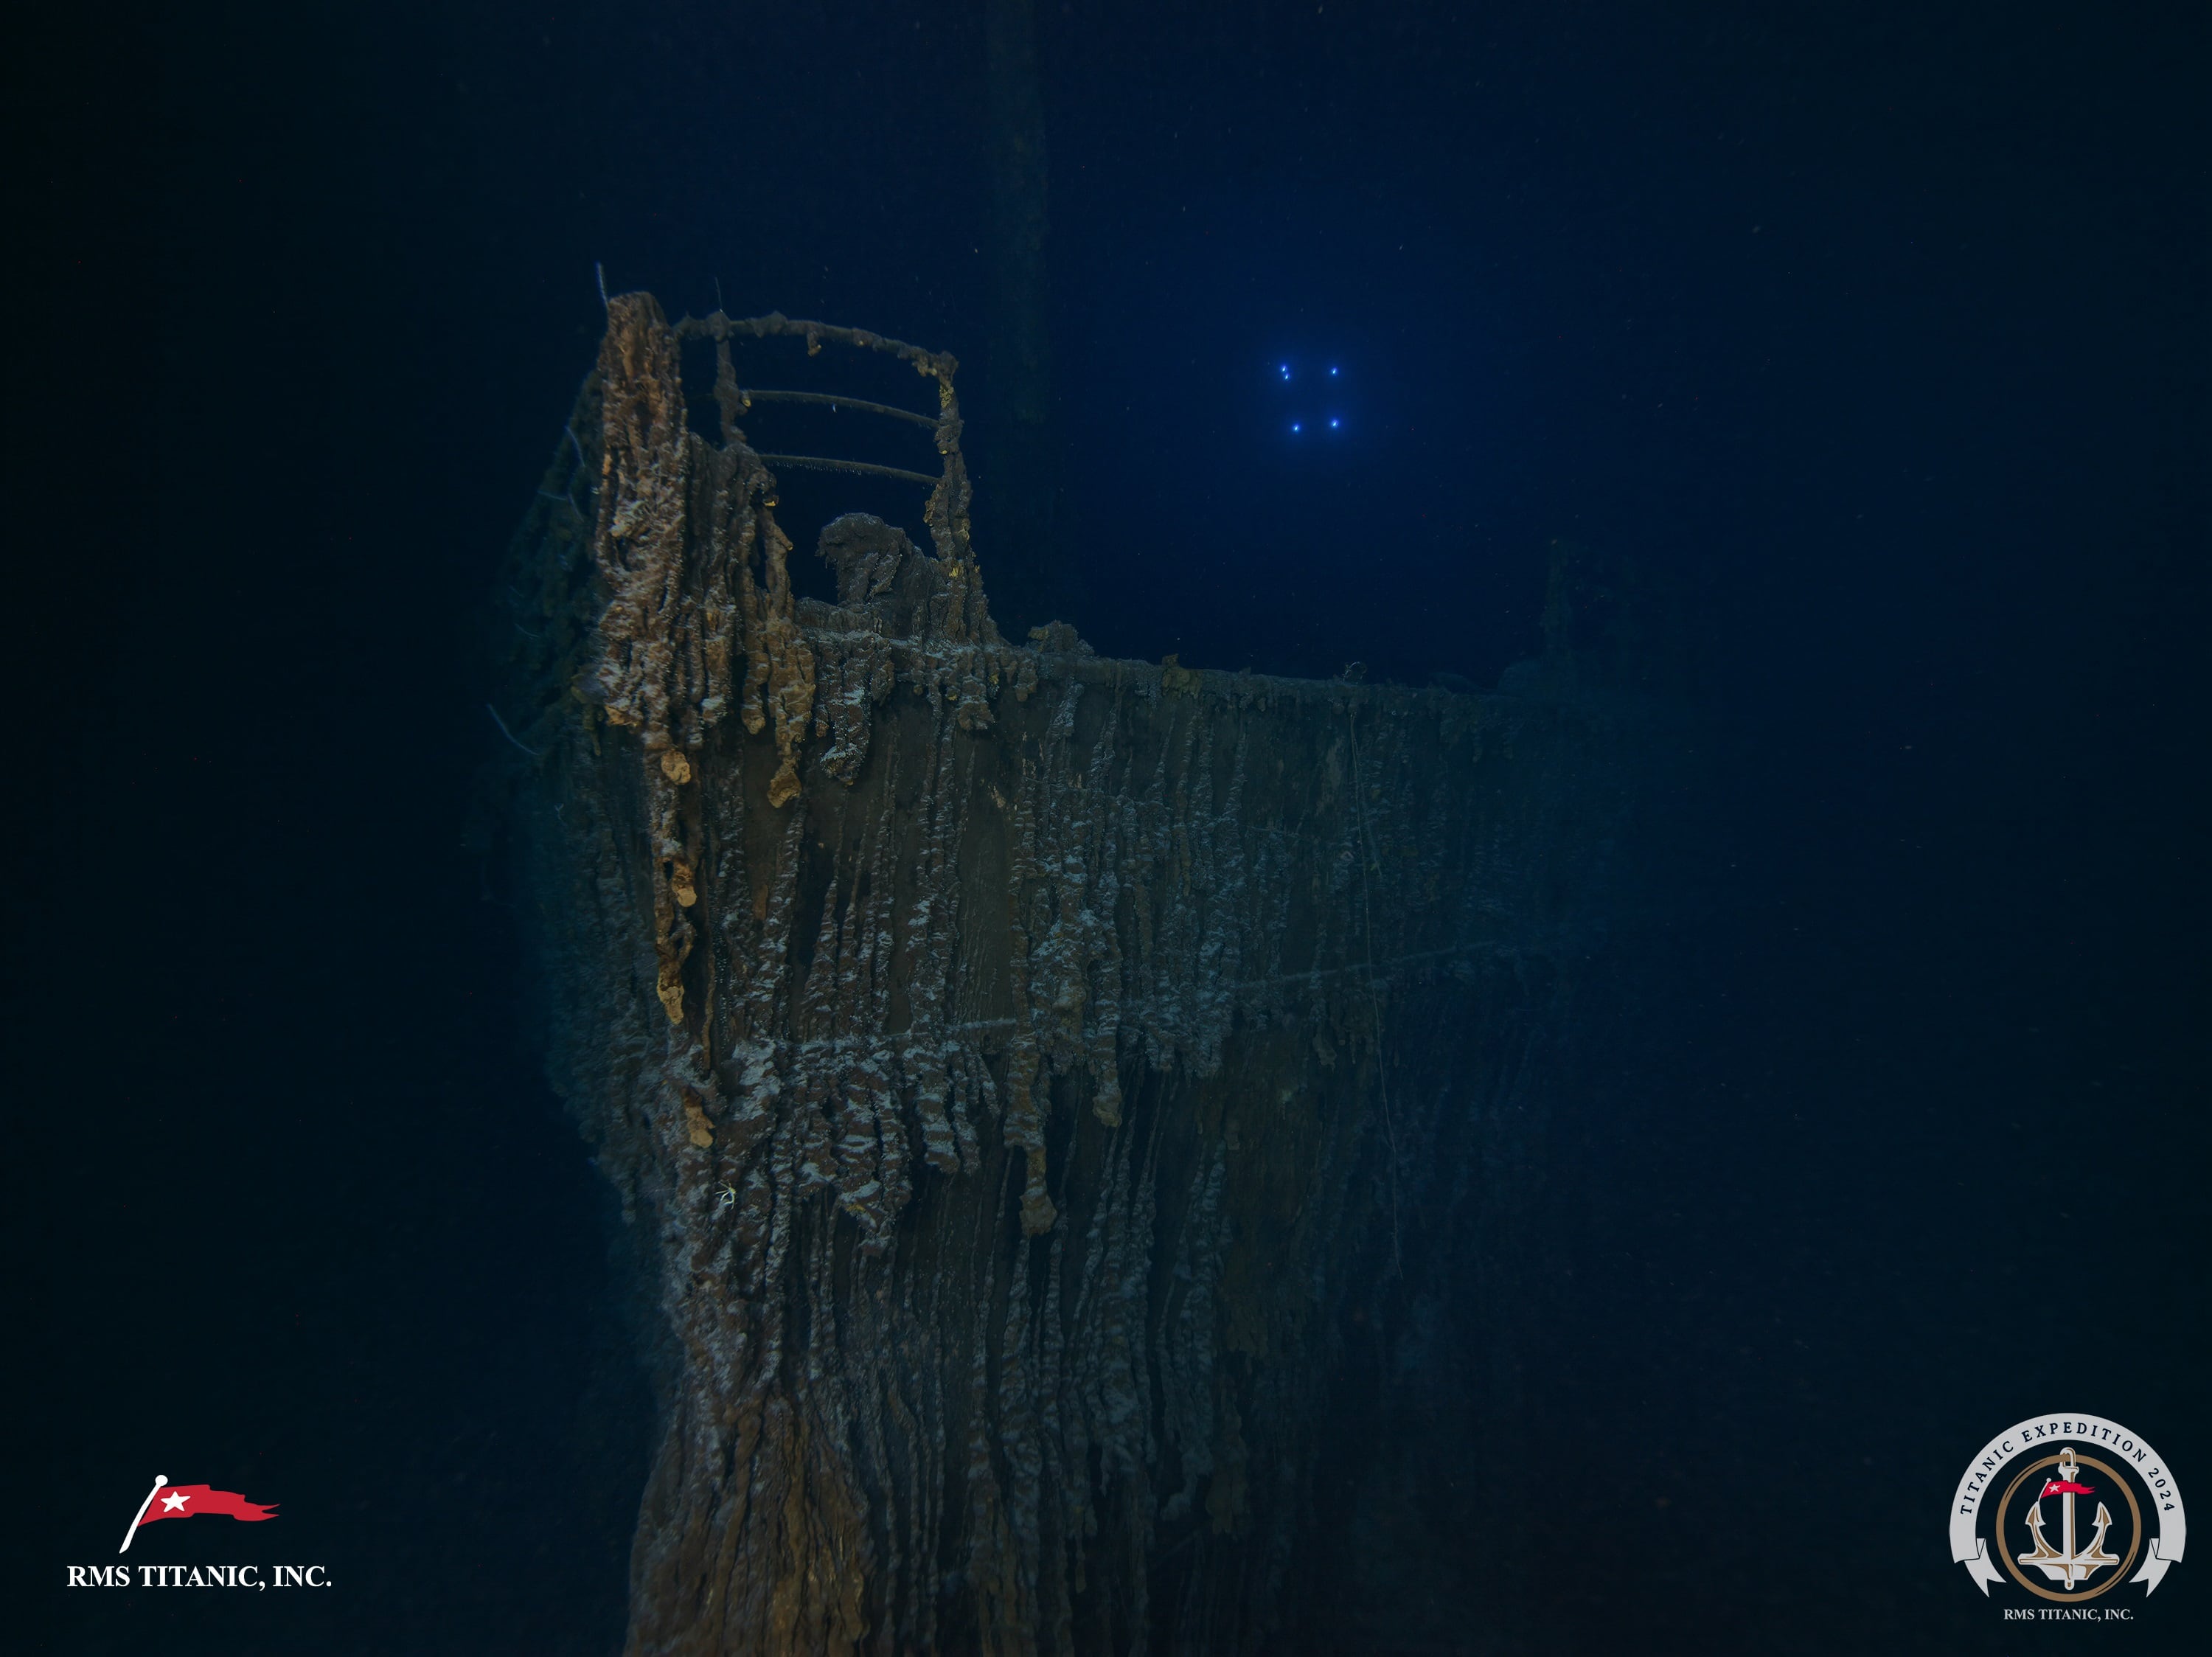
column 1873, row 337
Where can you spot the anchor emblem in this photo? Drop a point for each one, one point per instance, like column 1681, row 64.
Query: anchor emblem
column 2067, row 1564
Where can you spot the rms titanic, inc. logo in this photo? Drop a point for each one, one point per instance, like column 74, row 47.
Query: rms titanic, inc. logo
column 2069, row 1508
column 167, row 1501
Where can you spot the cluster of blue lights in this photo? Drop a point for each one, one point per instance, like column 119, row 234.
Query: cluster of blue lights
column 1331, row 422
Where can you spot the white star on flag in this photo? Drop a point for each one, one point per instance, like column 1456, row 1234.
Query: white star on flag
column 210, row 1501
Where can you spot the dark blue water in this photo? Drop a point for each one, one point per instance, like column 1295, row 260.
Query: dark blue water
column 1874, row 338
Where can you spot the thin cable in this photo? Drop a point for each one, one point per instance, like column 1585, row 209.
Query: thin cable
column 1374, row 1003
column 535, row 754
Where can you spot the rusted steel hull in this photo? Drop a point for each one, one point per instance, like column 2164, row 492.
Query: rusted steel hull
column 1027, row 1065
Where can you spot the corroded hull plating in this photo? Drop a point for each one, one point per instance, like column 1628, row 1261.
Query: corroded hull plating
column 1027, row 1064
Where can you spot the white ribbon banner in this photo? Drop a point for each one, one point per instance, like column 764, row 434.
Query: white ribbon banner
column 2169, row 1531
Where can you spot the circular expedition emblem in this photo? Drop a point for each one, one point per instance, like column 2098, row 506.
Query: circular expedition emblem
column 2067, row 1508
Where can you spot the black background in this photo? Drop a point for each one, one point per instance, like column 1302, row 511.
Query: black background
column 1875, row 333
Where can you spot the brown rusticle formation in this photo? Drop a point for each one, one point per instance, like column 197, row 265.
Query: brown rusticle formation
column 992, row 1039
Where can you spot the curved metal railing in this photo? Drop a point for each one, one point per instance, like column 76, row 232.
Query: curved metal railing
column 946, row 510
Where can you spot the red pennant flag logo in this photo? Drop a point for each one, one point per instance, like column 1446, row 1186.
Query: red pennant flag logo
column 2065, row 1487
column 184, row 1501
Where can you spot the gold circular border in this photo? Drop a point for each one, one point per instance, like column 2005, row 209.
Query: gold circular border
column 2134, row 1540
